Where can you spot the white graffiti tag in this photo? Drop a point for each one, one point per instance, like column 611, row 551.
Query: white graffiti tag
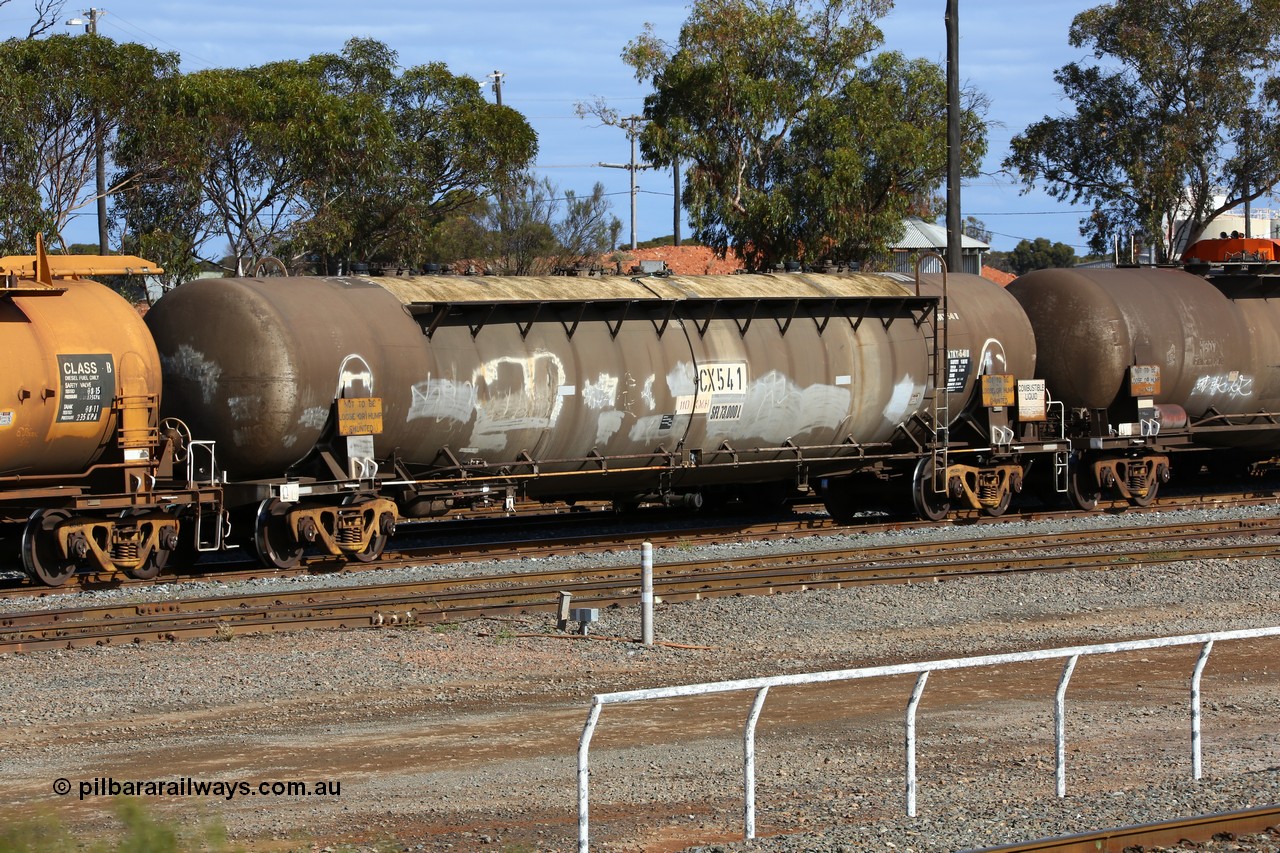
column 1226, row 384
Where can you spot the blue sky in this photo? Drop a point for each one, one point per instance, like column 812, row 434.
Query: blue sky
column 556, row 54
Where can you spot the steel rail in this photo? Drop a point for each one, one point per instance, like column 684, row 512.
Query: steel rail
column 854, row 561
column 458, row 531
column 504, row 595
column 1172, row 833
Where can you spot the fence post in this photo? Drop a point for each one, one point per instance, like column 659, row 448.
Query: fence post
column 646, row 593
column 911, row 741
column 584, row 773
column 1195, row 707
column 749, row 766
column 1060, row 725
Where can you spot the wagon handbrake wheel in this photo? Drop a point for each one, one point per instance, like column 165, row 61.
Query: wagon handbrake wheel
column 181, row 436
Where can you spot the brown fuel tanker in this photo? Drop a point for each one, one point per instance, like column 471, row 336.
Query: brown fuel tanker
column 573, row 376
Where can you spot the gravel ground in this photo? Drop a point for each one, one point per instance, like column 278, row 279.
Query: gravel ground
column 465, row 737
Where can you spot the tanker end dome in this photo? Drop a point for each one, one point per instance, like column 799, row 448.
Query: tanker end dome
column 256, row 364
column 1091, row 326
column 69, row 352
column 988, row 333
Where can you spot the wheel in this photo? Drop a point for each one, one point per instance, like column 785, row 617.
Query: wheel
column 272, row 538
column 1148, row 499
column 186, row 553
column 625, row 506
column 151, row 567
column 41, row 556
column 841, row 501
column 1082, row 490
column 1002, row 506
column 1160, row 475
column 386, row 526
column 157, row 559
column 928, row 504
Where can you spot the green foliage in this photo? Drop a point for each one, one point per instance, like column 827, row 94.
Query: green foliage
column 518, row 222
column 60, row 97
column 1038, row 255
column 340, row 156
column 439, row 147
column 139, row 833
column 42, row 834
column 531, row 229
column 797, row 142
column 998, row 261
column 232, row 153
column 1187, row 104
column 661, row 242
column 977, row 229
column 586, row 229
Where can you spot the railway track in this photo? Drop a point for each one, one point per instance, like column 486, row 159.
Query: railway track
column 1180, row 834
column 511, row 594
column 498, row 536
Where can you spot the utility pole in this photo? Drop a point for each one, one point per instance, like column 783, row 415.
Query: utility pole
column 955, row 228
column 90, row 23
column 496, row 77
column 675, row 215
column 631, row 167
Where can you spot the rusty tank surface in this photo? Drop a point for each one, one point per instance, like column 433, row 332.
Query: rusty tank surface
column 1093, row 326
column 257, row 364
column 554, row 375
column 987, row 333
column 578, row 386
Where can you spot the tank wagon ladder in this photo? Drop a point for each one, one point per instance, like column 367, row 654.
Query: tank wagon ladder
column 940, row 407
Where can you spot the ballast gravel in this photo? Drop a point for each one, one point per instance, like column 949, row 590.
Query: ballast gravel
column 466, row 737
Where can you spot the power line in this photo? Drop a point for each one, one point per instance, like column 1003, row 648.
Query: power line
column 132, row 29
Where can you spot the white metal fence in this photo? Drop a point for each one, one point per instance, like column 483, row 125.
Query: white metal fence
column 761, row 687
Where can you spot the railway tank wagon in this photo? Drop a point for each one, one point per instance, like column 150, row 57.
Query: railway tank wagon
column 342, row 404
column 964, row 446
column 82, row 453
column 1154, row 361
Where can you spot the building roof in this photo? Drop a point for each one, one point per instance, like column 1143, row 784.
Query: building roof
column 919, row 234
column 1000, row 277
column 686, row 260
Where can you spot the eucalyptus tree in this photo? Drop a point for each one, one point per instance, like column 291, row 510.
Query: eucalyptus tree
column 47, row 15
column 531, row 228
column 247, row 143
column 62, row 97
column 797, row 139
column 1179, row 120
column 1040, row 254
column 431, row 147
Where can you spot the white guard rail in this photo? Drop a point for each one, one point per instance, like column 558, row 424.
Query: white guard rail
column 922, row 669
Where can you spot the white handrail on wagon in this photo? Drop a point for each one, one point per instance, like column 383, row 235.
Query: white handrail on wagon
column 761, row 686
